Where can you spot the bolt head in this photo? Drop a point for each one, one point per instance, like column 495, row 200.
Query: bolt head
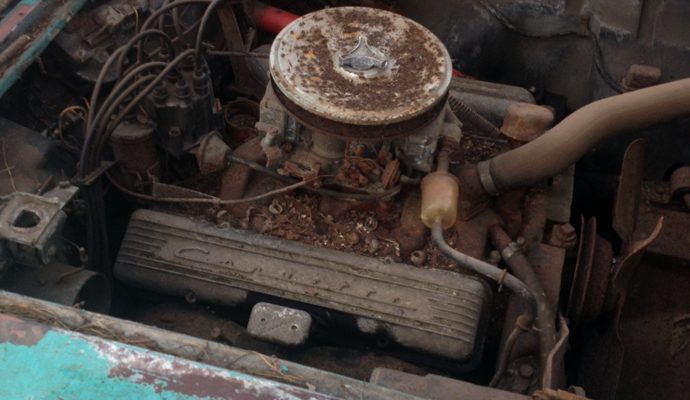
column 526, row 370
column 567, row 230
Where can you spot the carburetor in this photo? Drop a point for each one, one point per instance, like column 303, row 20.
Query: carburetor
column 356, row 94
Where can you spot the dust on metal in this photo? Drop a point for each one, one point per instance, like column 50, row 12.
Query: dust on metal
column 305, row 65
column 45, row 362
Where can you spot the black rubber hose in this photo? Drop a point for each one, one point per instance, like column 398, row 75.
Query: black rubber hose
column 154, row 15
column 136, row 39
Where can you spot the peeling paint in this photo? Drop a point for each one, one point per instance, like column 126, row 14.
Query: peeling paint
column 68, row 365
column 13, row 330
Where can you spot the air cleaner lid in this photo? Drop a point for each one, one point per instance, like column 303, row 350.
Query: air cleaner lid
column 360, row 66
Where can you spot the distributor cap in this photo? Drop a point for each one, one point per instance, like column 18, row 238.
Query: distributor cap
column 360, row 66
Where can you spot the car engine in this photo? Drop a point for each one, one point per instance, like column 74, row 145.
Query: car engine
column 355, row 199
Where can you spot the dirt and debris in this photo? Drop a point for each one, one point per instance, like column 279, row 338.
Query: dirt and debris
column 475, row 148
column 297, row 217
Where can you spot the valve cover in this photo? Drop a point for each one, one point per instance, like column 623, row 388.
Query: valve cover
column 433, row 311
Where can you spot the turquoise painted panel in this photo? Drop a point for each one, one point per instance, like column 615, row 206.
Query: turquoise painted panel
column 63, row 367
column 37, row 362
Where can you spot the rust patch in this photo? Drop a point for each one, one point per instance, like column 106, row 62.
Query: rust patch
column 168, row 374
column 305, row 66
column 416, row 64
column 20, row 332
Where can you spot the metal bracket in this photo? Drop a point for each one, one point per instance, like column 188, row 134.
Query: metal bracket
column 28, row 224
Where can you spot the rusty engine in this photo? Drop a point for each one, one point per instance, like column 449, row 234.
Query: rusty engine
column 329, row 179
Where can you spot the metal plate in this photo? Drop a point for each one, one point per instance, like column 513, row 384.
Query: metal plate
column 432, row 311
column 308, row 67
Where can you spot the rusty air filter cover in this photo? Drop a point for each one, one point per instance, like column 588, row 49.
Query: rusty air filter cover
column 359, row 72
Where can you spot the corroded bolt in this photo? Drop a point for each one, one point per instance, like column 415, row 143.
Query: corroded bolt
column 216, row 333
column 371, row 223
column 564, row 236
column 526, row 370
column 418, row 257
column 275, row 208
column 352, row 238
column 568, row 231
column 374, row 245
column 494, row 257
column 521, row 241
column 190, row 297
column 641, row 76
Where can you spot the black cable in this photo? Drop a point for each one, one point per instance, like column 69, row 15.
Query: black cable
column 161, row 19
column 154, row 15
column 97, row 241
column 97, row 85
column 96, row 121
column 140, row 96
column 136, row 39
column 202, row 27
column 117, row 102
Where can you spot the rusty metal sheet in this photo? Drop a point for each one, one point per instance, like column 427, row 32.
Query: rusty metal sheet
column 436, row 387
column 629, row 192
column 674, row 240
column 591, row 277
column 632, row 260
column 43, row 362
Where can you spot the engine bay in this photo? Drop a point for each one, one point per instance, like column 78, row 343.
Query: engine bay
column 467, row 199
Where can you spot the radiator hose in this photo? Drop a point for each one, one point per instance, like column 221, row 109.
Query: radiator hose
column 564, row 144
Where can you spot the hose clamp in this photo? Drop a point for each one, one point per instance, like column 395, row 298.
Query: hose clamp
column 484, row 171
column 509, row 251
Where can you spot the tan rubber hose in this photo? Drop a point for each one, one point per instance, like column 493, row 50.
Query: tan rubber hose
column 564, row 144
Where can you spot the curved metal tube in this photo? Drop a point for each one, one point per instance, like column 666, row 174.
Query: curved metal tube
column 564, row 144
column 523, row 269
column 483, row 268
column 523, row 323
